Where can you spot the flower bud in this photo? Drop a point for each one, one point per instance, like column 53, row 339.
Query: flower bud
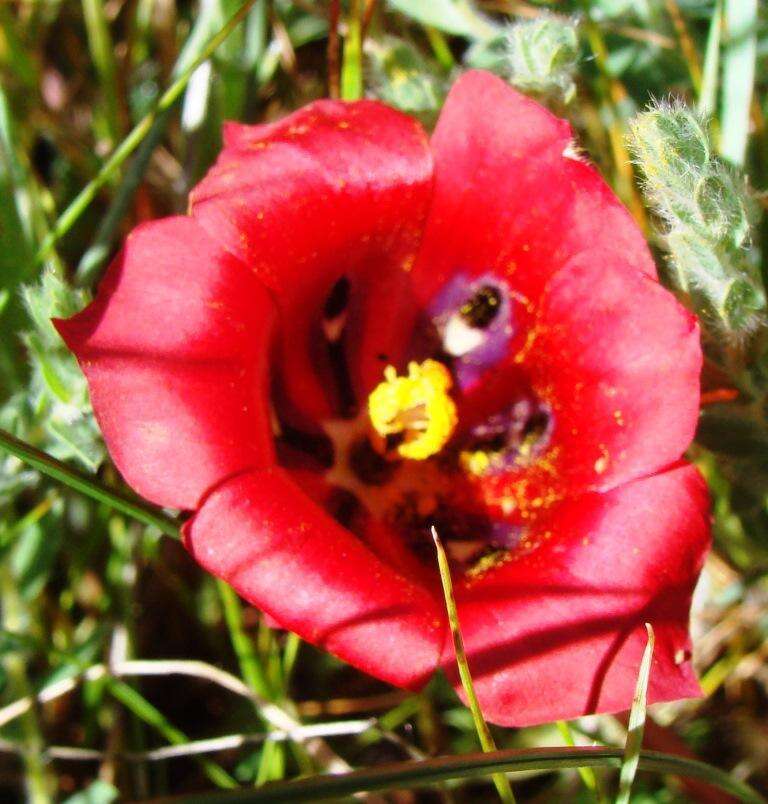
column 705, row 212
column 670, row 143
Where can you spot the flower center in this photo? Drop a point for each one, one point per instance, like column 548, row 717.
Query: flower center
column 403, row 463
column 415, row 412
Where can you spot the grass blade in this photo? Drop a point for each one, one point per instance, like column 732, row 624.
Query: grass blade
column 484, row 735
column 152, row 716
column 711, row 74
column 103, row 56
column 634, row 742
column 687, row 47
column 71, row 214
column 137, row 509
column 587, row 774
column 739, row 54
column 98, row 252
column 408, row 775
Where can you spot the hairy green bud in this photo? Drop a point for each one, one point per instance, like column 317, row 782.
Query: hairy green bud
column 543, row 55
column 705, row 210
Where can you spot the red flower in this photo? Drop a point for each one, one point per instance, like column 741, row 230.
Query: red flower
column 543, row 388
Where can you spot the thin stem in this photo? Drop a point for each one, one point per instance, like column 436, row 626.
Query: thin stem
column 440, row 48
column 588, row 775
column 615, row 101
column 87, row 485
column 711, row 75
column 250, row 665
column 252, row 671
column 352, row 68
column 369, row 11
column 227, row 742
column 98, row 251
column 131, row 142
column 102, row 53
column 503, row 786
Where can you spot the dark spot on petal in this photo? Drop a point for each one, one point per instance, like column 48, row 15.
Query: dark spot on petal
column 316, row 445
column 343, row 507
column 370, row 467
column 518, row 434
column 337, row 300
column 482, row 308
column 536, row 425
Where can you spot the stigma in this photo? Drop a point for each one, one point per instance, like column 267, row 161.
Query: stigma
column 417, row 408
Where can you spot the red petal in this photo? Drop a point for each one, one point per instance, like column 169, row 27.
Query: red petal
column 559, row 632
column 282, row 553
column 510, row 195
column 333, row 189
column 175, row 350
column 618, row 359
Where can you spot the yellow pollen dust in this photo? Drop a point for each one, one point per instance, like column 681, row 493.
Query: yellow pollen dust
column 477, row 462
column 418, row 406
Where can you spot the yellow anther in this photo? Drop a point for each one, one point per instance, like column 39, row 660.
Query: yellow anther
column 418, row 406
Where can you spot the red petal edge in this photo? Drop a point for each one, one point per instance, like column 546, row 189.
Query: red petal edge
column 618, row 359
column 286, row 556
column 175, row 349
column 513, row 196
column 334, row 189
column 559, row 632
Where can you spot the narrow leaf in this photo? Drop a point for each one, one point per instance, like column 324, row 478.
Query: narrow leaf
column 711, row 72
column 83, row 199
column 739, row 56
column 634, row 742
column 409, row 775
column 503, row 786
column 79, row 481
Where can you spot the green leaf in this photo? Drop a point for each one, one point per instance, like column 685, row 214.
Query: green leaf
column 34, row 555
column 459, row 17
column 739, row 55
column 403, row 78
column 543, row 55
column 51, row 298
